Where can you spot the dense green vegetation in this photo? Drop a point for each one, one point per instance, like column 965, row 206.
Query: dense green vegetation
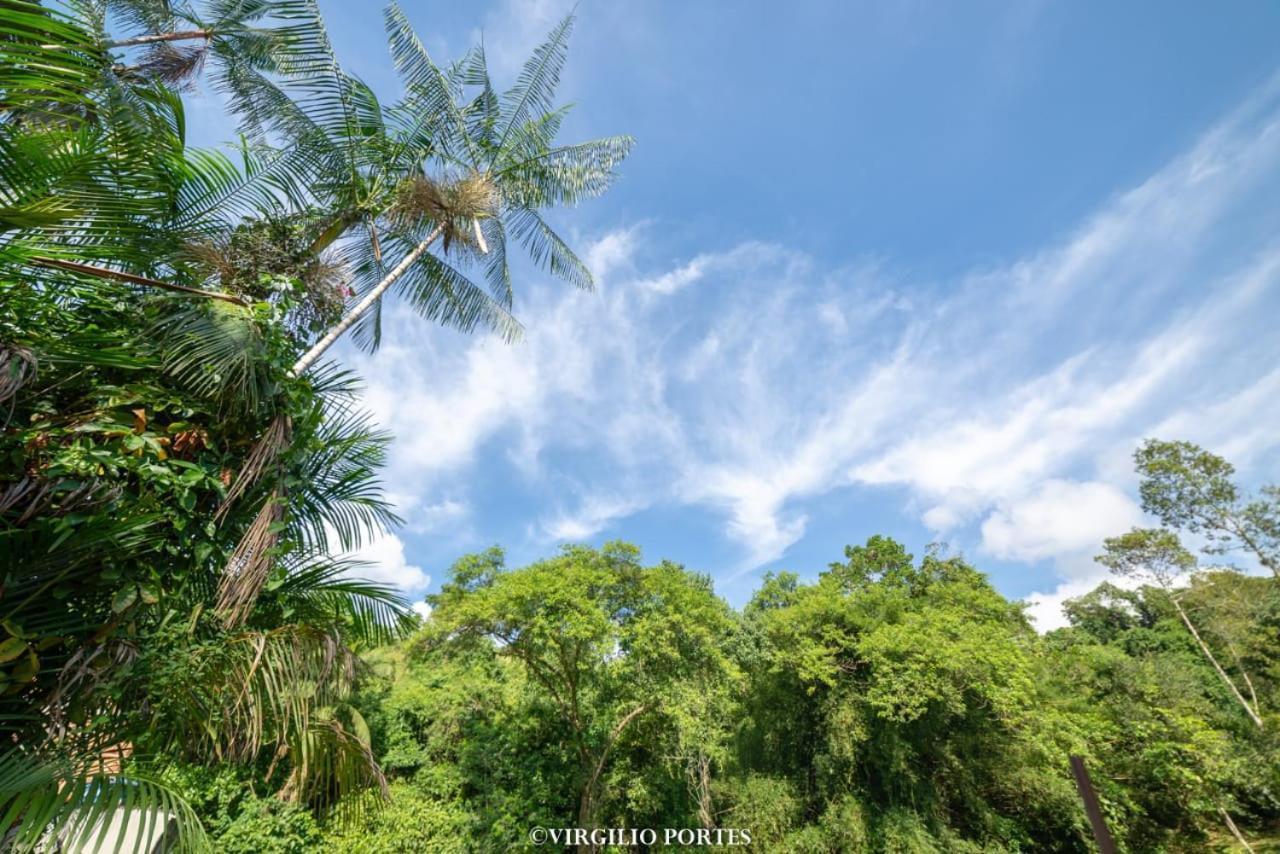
column 182, row 466
column 181, row 469
column 889, row 705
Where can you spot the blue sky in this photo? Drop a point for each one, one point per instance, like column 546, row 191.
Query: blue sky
column 922, row 269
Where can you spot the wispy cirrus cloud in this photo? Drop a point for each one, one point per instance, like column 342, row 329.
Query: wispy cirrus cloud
column 752, row 379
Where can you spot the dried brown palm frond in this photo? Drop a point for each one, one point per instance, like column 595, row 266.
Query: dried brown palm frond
column 456, row 204
column 211, row 257
column 83, row 673
column 39, row 497
column 265, row 452
column 17, row 368
column 173, row 65
column 247, row 568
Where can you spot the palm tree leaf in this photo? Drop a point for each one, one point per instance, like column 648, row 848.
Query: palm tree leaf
column 47, row 63
column 439, row 292
column 217, row 349
column 48, row 799
column 547, row 249
column 317, row 590
column 434, row 94
column 563, row 175
column 536, row 84
column 338, row 488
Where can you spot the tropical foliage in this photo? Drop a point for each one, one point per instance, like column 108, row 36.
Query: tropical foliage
column 890, row 704
column 183, row 466
column 179, row 473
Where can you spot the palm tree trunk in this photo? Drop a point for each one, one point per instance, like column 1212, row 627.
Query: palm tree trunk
column 178, row 36
column 317, row 350
column 1214, row 661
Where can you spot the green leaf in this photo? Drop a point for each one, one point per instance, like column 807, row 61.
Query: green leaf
column 27, row 669
column 124, row 598
column 11, row 649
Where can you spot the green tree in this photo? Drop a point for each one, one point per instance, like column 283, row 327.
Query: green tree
column 1156, row 555
column 1190, row 489
column 612, row 643
column 909, row 687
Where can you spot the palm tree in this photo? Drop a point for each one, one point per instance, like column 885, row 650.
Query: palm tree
column 127, row 408
column 259, row 34
column 436, row 166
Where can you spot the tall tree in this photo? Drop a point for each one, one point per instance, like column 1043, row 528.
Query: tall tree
column 393, row 181
column 612, row 643
column 1157, row 556
column 1190, row 489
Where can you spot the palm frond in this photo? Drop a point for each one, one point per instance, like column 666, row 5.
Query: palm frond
column 218, row 350
column 536, row 85
column 330, row 590
column 338, row 488
column 441, row 293
column 497, row 269
column 282, row 690
column 547, row 249
column 246, row 571
column 47, row 64
column 58, row 804
column 433, row 95
column 564, row 175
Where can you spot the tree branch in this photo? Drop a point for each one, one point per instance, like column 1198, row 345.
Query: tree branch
column 178, row 36
column 1214, row 661
column 131, row 278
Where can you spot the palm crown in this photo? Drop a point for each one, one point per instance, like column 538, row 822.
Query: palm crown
column 450, row 160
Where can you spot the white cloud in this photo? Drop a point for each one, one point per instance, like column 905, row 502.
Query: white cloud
column 674, row 280
column 384, row 561
column 1045, row 609
column 1060, row 517
column 748, row 379
column 593, row 516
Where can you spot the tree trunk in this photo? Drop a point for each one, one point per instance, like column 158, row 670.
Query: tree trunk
column 586, row 807
column 1253, row 695
column 1214, row 661
column 586, row 803
column 706, row 810
column 1235, row 831
column 370, row 299
column 179, row 36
